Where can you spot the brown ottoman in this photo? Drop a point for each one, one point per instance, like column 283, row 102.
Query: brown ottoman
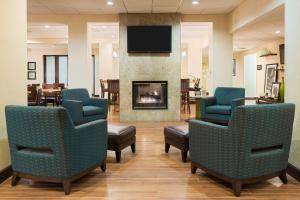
column 120, row 137
column 178, row 137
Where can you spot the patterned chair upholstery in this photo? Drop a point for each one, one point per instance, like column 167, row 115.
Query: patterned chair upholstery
column 219, row 107
column 46, row 146
column 254, row 146
column 82, row 108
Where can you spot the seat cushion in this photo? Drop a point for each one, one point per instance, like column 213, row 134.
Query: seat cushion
column 120, row 136
column 219, row 109
column 92, row 110
column 177, row 136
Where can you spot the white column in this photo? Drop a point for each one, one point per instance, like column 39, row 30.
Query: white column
column 80, row 60
column 106, row 61
column 292, row 71
column 13, row 56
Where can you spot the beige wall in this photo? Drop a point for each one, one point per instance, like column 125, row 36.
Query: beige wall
column 238, row 80
column 250, row 11
column 292, row 72
column 13, row 32
column 139, row 67
column 220, row 74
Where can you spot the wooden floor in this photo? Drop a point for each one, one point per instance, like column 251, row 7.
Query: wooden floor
column 150, row 173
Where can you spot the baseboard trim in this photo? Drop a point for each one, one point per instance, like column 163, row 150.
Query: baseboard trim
column 293, row 172
column 5, row 173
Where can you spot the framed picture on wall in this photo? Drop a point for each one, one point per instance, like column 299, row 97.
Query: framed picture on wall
column 275, row 90
column 31, row 65
column 270, row 77
column 31, row 75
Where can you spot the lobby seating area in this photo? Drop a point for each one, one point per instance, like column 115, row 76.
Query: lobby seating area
column 149, row 100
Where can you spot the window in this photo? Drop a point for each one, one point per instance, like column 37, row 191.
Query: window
column 56, row 69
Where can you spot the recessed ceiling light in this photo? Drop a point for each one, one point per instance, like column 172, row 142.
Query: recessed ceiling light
column 195, row 2
column 277, row 32
column 110, row 3
column 46, row 26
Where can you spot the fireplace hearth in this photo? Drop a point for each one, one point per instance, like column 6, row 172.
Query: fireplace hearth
column 149, row 95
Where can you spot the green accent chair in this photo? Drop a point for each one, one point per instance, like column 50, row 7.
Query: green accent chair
column 255, row 146
column 81, row 107
column 219, row 107
column 46, row 146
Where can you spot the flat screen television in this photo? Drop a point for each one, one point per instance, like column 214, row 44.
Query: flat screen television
column 149, row 39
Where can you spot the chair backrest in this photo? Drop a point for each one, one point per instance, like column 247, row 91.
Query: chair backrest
column 35, row 136
column 59, row 85
column 262, row 137
column 185, row 85
column 113, row 85
column 47, row 86
column 102, row 84
column 32, row 93
column 78, row 94
column 225, row 95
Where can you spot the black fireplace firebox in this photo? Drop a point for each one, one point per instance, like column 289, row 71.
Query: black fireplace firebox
column 149, row 95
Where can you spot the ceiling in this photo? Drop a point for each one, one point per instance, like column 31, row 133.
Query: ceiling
column 131, row 6
column 267, row 29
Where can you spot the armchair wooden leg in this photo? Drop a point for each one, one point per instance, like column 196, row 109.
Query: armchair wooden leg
column 237, row 187
column 193, row 168
column 67, row 186
column 183, row 156
column 283, row 178
column 167, row 148
column 132, row 147
column 15, row 179
column 118, row 155
column 103, row 167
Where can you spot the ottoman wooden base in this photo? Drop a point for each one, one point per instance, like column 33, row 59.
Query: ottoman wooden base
column 120, row 137
column 177, row 136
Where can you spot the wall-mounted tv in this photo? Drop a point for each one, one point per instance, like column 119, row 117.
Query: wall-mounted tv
column 149, row 39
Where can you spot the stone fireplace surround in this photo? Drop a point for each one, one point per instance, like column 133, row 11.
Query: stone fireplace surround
column 150, row 67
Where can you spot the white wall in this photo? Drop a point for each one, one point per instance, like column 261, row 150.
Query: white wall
column 36, row 55
column 106, row 69
column 80, row 65
column 292, row 71
column 13, row 35
column 238, row 80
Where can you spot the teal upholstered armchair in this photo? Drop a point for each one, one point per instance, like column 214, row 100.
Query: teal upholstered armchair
column 46, row 146
column 219, row 107
column 254, row 146
column 81, row 107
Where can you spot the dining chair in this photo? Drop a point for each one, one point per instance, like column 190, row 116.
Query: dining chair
column 103, row 89
column 113, row 92
column 185, row 94
column 32, row 95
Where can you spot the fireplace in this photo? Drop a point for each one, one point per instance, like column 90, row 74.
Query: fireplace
column 149, row 95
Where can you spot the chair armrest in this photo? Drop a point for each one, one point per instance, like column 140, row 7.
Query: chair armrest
column 86, row 146
column 103, row 103
column 204, row 102
column 237, row 102
column 75, row 109
column 210, row 143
